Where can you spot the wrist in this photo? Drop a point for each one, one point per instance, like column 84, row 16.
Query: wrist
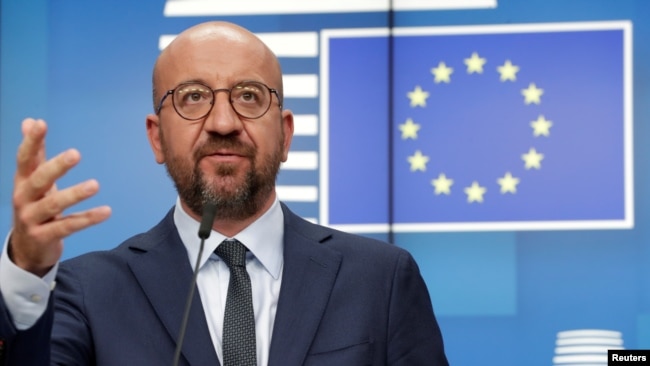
column 14, row 258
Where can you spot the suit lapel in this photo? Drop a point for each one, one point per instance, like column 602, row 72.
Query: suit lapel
column 164, row 273
column 309, row 273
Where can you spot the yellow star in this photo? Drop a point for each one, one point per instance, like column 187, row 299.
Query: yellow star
column 418, row 161
column 508, row 183
column 533, row 159
column 442, row 73
column 508, row 71
column 409, row 129
column 532, row 94
column 541, row 127
column 418, row 97
column 442, row 184
column 475, row 64
column 475, row 192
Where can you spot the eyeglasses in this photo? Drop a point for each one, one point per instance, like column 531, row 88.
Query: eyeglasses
column 194, row 100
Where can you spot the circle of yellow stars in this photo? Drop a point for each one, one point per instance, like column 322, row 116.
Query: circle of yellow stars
column 442, row 73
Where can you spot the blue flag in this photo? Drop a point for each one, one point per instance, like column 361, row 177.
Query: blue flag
column 481, row 128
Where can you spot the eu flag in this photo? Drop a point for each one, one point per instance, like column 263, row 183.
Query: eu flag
column 514, row 127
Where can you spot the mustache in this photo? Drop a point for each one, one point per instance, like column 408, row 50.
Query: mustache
column 220, row 142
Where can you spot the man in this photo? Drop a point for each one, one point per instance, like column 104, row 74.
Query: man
column 320, row 297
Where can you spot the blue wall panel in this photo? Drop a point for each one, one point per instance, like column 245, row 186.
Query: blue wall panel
column 501, row 296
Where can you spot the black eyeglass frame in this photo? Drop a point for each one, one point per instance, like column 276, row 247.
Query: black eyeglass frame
column 214, row 97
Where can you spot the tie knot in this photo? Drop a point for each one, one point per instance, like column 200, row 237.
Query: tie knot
column 232, row 252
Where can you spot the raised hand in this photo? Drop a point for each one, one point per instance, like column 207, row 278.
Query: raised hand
column 39, row 224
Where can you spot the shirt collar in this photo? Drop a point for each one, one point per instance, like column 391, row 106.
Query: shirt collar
column 263, row 238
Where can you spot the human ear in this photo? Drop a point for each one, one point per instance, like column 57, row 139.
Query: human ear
column 153, row 134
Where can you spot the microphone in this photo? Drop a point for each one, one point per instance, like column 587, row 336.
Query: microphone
column 205, row 228
column 209, row 211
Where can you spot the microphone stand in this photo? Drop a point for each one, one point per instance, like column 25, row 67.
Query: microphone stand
column 209, row 211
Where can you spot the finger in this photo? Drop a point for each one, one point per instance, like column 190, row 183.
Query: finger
column 53, row 205
column 70, row 224
column 43, row 178
column 31, row 151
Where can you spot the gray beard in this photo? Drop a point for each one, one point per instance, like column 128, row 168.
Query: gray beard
column 244, row 202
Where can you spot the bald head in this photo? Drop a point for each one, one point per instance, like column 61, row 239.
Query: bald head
column 215, row 52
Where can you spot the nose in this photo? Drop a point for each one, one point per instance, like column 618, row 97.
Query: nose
column 222, row 119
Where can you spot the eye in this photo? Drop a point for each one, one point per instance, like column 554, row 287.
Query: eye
column 193, row 94
column 249, row 94
column 194, row 97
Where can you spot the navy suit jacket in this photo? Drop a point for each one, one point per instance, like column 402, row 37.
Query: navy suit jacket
column 345, row 300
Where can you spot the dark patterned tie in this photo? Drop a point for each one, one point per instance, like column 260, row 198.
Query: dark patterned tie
column 239, row 321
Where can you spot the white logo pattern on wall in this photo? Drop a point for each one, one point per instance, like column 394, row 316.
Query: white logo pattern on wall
column 585, row 347
column 186, row 8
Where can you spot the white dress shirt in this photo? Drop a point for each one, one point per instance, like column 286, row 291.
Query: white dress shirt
column 264, row 262
column 26, row 295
